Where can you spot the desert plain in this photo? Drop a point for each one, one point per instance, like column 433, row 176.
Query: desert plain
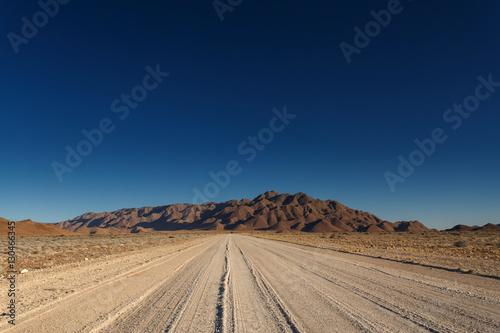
column 258, row 282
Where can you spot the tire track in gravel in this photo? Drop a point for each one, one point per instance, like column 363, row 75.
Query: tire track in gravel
column 176, row 302
column 271, row 298
column 313, row 308
column 413, row 299
column 224, row 321
column 401, row 289
column 87, row 308
column 349, row 312
column 235, row 283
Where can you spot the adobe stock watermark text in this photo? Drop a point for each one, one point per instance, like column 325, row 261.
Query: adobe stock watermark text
column 249, row 149
column 453, row 117
column 11, row 272
column 222, row 6
column 373, row 28
column 30, row 27
column 120, row 106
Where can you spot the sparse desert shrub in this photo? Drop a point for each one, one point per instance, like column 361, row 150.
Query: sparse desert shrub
column 460, row 243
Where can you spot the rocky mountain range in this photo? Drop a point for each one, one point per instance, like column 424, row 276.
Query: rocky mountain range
column 269, row 211
column 487, row 227
column 30, row 228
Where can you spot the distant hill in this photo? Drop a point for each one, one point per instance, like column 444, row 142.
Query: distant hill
column 269, row 211
column 30, row 228
column 486, row 227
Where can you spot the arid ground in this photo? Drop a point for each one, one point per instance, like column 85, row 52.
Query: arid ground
column 236, row 283
column 475, row 252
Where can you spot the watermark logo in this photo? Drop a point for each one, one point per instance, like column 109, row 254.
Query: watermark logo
column 30, row 28
column 225, row 6
column 453, row 116
column 249, row 149
column 11, row 271
column 120, row 106
column 372, row 29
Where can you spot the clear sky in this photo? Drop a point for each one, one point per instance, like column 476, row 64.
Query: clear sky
column 84, row 67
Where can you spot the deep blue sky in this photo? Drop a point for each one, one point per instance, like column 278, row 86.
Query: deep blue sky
column 353, row 120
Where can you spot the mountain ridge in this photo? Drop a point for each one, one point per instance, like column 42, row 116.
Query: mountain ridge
column 486, row 227
column 31, row 228
column 270, row 211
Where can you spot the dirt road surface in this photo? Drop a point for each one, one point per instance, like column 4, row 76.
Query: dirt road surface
column 236, row 283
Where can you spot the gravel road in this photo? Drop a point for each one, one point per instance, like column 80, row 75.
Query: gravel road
column 236, row 283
